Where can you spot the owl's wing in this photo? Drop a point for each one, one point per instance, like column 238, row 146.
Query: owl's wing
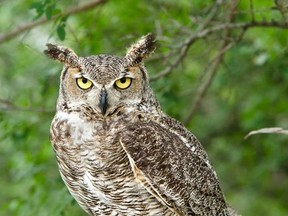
column 178, row 174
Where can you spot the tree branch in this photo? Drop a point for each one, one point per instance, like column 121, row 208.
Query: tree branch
column 213, row 12
column 75, row 10
column 208, row 31
column 186, row 45
column 224, row 46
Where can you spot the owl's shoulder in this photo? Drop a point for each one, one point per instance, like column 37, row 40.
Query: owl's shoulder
column 167, row 125
column 187, row 137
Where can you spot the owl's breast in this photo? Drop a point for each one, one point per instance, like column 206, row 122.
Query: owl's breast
column 88, row 145
column 96, row 169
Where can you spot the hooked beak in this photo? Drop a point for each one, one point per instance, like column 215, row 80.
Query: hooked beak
column 103, row 101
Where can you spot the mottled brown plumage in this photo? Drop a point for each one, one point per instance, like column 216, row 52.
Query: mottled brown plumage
column 117, row 152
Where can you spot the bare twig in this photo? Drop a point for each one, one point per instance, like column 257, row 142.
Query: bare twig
column 273, row 130
column 169, row 69
column 21, row 29
column 224, row 46
column 211, row 15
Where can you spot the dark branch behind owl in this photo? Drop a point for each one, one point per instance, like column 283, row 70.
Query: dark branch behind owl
column 140, row 50
column 62, row 54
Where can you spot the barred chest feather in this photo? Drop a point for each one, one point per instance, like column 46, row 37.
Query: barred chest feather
column 96, row 169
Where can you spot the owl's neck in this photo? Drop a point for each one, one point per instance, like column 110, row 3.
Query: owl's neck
column 149, row 104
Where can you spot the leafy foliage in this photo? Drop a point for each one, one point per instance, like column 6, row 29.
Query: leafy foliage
column 248, row 92
column 47, row 7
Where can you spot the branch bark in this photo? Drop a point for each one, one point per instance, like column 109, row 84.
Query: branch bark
column 75, row 10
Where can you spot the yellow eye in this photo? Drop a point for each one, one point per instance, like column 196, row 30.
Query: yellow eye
column 83, row 83
column 123, row 83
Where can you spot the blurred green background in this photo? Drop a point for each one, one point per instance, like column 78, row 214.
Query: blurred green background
column 249, row 90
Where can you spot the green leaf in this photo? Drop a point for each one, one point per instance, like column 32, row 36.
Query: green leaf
column 39, row 7
column 49, row 12
column 61, row 32
column 56, row 11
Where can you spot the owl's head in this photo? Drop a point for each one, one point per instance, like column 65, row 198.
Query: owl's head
column 104, row 82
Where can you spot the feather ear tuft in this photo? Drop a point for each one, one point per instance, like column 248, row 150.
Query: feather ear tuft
column 62, row 54
column 141, row 50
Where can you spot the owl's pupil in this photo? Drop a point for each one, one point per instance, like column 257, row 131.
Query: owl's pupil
column 123, row 80
column 84, row 80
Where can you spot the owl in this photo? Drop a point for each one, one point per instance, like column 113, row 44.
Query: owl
column 117, row 152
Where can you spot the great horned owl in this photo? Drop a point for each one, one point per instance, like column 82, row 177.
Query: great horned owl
column 117, row 152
